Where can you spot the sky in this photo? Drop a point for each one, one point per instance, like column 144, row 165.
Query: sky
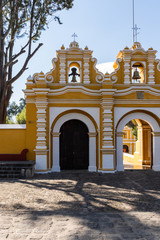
column 105, row 26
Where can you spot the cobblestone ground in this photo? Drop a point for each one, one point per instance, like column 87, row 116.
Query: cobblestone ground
column 81, row 206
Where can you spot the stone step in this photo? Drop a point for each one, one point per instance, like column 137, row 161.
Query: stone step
column 16, row 169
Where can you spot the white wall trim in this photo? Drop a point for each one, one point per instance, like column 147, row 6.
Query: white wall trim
column 138, row 115
column 119, row 112
column 12, row 126
column 76, row 116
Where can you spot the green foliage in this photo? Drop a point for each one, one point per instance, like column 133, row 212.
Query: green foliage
column 21, row 117
column 135, row 131
column 132, row 124
column 14, row 109
column 30, row 17
column 8, row 121
column 22, row 19
column 21, row 105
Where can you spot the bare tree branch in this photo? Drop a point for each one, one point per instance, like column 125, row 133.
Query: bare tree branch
column 12, row 80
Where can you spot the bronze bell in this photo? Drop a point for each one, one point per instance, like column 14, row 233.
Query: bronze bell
column 73, row 74
column 136, row 75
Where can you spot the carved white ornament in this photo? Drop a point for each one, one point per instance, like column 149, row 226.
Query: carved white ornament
column 35, row 77
column 48, row 76
column 100, row 76
column 158, row 65
column 113, row 76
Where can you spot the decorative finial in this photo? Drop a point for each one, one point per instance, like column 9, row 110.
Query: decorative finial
column 62, row 47
column 74, row 36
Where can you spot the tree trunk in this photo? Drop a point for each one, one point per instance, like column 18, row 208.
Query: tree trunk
column 4, row 101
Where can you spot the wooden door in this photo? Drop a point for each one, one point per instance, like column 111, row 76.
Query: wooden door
column 74, row 145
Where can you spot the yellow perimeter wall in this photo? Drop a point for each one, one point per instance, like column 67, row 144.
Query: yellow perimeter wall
column 12, row 140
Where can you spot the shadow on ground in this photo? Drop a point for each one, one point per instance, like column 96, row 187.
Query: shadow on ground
column 101, row 203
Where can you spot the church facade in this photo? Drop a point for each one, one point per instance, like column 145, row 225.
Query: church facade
column 76, row 114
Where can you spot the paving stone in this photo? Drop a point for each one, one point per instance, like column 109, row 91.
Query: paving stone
column 122, row 206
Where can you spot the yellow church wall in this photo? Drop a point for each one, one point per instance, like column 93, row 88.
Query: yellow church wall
column 55, row 72
column 132, row 158
column 120, row 73
column 12, row 140
column 31, row 130
column 157, row 73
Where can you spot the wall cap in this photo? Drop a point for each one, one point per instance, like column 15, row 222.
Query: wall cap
column 12, row 126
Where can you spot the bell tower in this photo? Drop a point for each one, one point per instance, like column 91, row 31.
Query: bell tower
column 74, row 64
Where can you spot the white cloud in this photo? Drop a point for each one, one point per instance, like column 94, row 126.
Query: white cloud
column 105, row 67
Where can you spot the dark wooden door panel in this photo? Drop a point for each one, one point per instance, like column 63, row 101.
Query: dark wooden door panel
column 74, row 145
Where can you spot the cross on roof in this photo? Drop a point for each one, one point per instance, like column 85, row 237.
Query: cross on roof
column 74, row 36
column 135, row 29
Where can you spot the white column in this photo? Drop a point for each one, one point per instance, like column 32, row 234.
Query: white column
column 127, row 76
column 107, row 106
column 56, row 155
column 119, row 154
column 156, row 151
column 92, row 152
column 62, row 69
column 41, row 159
column 86, row 79
column 41, row 143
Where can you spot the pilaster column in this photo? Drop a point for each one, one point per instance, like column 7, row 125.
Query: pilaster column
column 86, row 79
column 56, row 150
column 151, row 61
column 107, row 124
column 127, row 69
column 119, row 150
column 92, row 152
column 151, row 79
column 41, row 144
column 146, row 159
column 107, row 149
column 62, row 69
column 156, row 151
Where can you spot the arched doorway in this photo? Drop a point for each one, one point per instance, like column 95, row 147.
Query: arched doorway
column 56, row 135
column 138, row 137
column 155, row 128
column 74, row 145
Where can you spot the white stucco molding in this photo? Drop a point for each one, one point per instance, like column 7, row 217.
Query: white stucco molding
column 139, row 115
column 75, row 116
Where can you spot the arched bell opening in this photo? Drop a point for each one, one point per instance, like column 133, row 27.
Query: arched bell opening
column 138, row 72
column 74, row 75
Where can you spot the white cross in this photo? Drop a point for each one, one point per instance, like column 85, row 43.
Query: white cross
column 74, row 36
column 136, row 32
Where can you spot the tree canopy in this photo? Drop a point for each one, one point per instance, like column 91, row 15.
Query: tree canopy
column 22, row 19
column 13, row 109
